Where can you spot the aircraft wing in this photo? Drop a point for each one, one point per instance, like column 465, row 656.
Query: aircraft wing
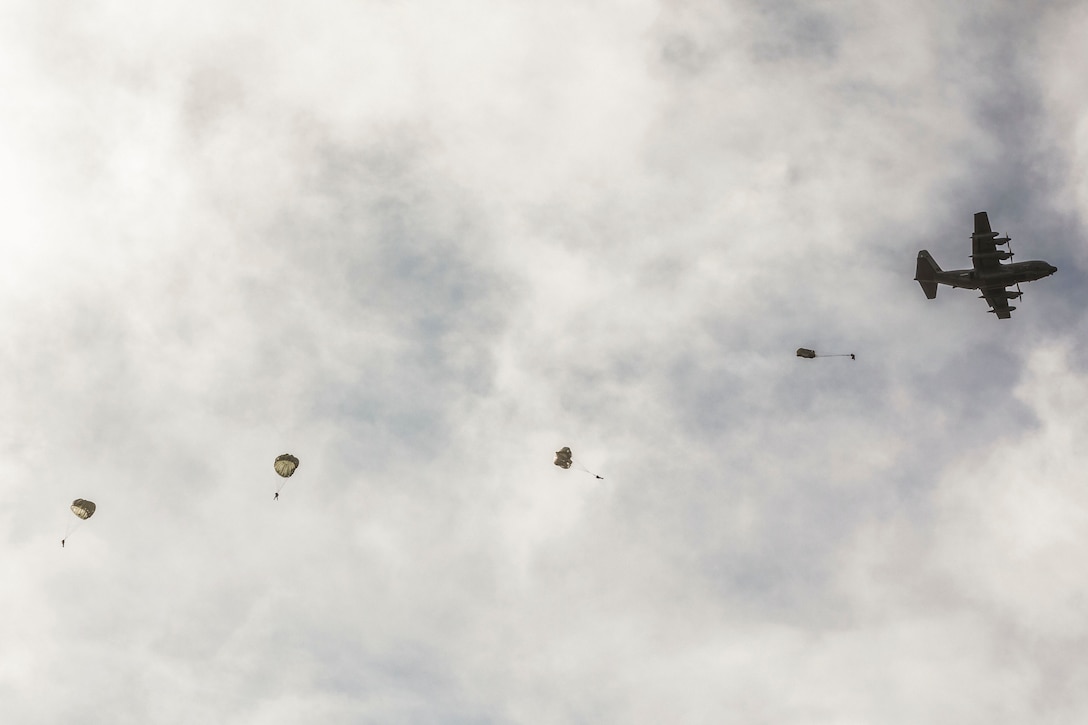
column 984, row 254
column 982, row 224
column 999, row 302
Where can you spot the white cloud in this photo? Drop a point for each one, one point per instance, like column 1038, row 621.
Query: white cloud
column 422, row 247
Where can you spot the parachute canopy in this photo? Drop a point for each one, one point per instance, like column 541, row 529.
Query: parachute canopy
column 805, row 352
column 286, row 465
column 82, row 508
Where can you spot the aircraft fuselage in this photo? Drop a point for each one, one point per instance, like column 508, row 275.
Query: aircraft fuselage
column 1005, row 276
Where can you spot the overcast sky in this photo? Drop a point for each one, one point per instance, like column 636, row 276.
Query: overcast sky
column 423, row 245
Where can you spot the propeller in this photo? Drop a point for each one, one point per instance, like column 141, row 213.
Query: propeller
column 1005, row 241
column 1019, row 292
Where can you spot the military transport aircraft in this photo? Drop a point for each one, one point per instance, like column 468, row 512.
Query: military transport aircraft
column 990, row 276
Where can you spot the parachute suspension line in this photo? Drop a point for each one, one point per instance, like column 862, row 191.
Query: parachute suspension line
column 837, row 354
column 71, row 529
column 582, row 468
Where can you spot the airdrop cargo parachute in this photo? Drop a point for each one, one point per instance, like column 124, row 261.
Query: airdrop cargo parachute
column 565, row 460
column 810, row 354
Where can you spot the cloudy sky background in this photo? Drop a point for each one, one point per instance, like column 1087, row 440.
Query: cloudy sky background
column 424, row 245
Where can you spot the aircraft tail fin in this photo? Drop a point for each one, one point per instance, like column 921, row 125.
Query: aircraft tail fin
column 926, row 273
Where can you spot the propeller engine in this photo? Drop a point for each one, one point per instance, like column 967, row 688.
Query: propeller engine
column 999, row 254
